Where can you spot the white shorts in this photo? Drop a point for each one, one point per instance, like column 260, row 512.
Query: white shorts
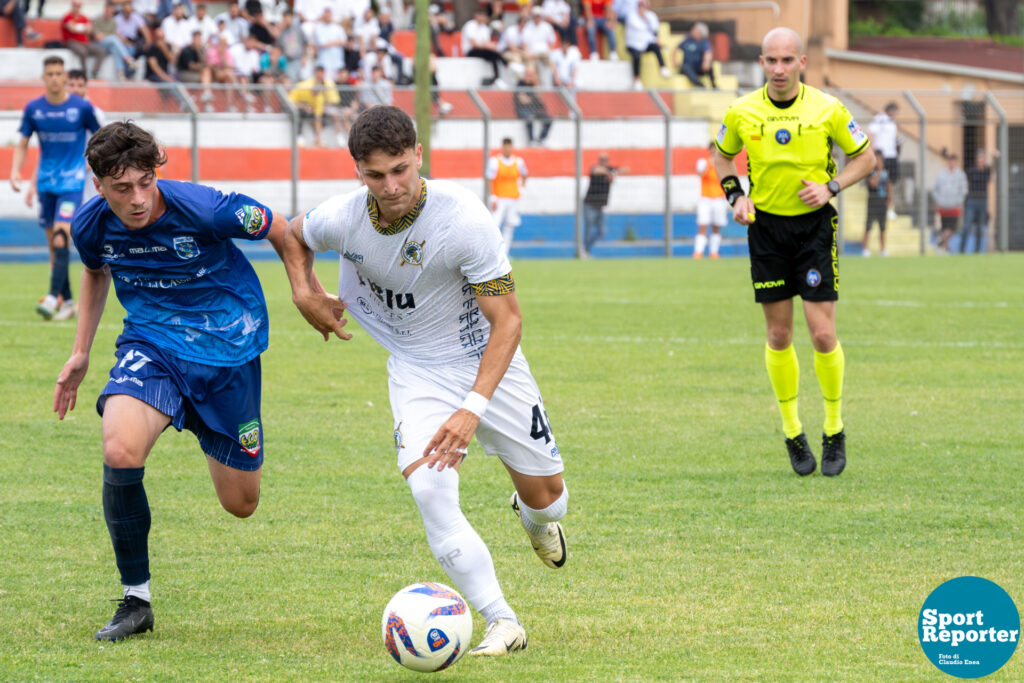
column 515, row 427
column 713, row 211
column 506, row 212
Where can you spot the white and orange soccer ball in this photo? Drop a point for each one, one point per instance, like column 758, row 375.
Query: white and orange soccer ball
column 427, row 626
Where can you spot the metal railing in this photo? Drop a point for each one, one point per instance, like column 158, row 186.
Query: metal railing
column 198, row 117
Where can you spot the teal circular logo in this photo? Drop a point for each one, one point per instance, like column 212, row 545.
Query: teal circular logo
column 968, row 627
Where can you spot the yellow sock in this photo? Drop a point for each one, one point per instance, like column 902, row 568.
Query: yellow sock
column 830, row 368
column 784, row 373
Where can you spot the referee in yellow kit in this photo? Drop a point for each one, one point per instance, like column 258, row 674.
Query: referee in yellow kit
column 788, row 129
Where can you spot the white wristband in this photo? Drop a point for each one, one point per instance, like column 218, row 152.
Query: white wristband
column 475, row 403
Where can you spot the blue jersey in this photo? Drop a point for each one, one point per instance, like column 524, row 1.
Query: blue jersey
column 62, row 132
column 185, row 285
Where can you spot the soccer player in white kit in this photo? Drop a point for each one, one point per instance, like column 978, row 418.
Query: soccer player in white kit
column 424, row 272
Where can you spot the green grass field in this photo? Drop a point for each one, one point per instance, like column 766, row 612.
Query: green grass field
column 695, row 552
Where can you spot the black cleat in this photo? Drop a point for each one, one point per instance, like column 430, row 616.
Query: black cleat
column 833, row 454
column 800, row 455
column 133, row 615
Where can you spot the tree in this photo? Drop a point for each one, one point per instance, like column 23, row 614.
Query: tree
column 1001, row 17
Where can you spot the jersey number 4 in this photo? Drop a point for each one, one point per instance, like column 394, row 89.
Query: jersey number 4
column 541, row 427
column 133, row 355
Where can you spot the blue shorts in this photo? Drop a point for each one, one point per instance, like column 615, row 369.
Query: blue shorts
column 58, row 208
column 220, row 405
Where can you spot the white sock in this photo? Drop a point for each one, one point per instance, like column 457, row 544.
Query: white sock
column 458, row 548
column 498, row 609
column 141, row 591
column 716, row 242
column 535, row 521
column 699, row 242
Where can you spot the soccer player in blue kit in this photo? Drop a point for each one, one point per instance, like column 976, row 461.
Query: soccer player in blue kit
column 62, row 121
column 189, row 353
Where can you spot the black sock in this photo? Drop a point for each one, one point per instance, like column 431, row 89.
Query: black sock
column 126, row 510
column 59, row 285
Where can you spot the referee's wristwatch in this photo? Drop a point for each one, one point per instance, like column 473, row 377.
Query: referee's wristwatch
column 833, row 187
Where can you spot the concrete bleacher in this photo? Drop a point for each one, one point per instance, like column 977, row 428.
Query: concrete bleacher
column 26, row 64
column 604, row 74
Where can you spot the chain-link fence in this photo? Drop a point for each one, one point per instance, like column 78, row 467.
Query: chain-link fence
column 288, row 148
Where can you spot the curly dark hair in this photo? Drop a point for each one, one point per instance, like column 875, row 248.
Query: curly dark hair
column 386, row 128
column 116, row 147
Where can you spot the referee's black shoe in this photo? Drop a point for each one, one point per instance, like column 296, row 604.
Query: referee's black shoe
column 800, row 455
column 133, row 615
column 833, row 454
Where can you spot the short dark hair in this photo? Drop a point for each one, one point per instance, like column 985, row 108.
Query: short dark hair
column 387, row 129
column 506, row 141
column 118, row 146
column 79, row 74
column 53, row 59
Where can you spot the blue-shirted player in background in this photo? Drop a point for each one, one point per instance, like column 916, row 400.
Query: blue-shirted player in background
column 62, row 121
column 189, row 353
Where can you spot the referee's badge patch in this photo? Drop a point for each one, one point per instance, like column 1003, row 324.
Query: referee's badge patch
column 721, row 134
column 783, row 136
column 856, row 133
column 813, row 277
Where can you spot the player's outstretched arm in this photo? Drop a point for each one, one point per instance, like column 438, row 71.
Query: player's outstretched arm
column 448, row 445
column 92, row 298
column 323, row 311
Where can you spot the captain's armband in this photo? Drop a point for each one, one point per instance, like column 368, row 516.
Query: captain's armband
column 732, row 188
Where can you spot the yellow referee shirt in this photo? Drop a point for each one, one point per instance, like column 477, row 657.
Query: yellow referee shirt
column 785, row 146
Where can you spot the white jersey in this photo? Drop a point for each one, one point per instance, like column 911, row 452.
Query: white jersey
column 411, row 290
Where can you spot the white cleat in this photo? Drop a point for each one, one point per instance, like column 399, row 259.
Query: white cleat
column 66, row 311
column 550, row 544
column 500, row 638
column 47, row 307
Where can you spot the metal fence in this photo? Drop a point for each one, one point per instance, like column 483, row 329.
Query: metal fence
column 661, row 132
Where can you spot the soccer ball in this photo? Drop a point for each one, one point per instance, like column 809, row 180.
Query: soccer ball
column 427, row 626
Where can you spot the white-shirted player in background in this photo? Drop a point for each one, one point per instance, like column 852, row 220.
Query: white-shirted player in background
column 424, row 272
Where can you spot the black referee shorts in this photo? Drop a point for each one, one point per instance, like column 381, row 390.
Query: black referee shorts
column 794, row 255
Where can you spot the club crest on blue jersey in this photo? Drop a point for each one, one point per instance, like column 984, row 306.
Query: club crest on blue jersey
column 252, row 218
column 412, row 253
column 783, row 136
column 813, row 277
column 72, row 115
column 249, row 437
column 186, row 247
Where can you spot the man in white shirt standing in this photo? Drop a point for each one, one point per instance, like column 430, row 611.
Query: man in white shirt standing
column 885, row 136
column 422, row 271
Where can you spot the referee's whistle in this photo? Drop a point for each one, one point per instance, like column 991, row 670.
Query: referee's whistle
column 750, row 216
